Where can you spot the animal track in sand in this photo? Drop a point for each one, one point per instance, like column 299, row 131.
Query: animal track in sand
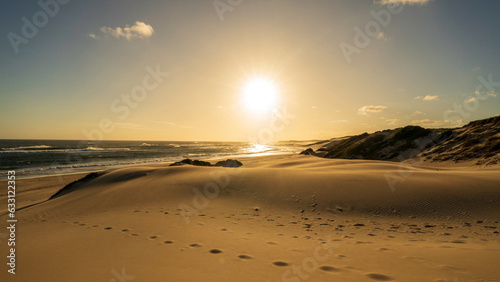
column 379, row 277
column 195, row 245
column 125, row 230
column 153, row 237
column 215, row 251
column 134, row 234
column 108, row 228
column 280, row 263
column 328, row 268
column 244, row 257
column 168, row 242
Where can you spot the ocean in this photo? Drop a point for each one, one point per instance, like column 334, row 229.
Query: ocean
column 34, row 158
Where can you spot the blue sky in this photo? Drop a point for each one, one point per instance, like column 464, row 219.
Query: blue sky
column 427, row 66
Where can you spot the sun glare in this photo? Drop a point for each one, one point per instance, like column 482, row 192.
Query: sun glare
column 259, row 94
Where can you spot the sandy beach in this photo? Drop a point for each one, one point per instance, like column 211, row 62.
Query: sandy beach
column 276, row 218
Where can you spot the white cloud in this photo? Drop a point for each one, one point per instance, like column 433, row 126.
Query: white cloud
column 127, row 125
column 381, row 36
column 482, row 95
column 431, row 98
column 428, row 98
column 139, row 30
column 403, row 2
column 438, row 123
column 371, row 109
column 471, row 100
column 393, row 121
column 174, row 124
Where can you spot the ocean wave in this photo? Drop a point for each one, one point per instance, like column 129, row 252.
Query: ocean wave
column 29, row 148
column 104, row 149
column 148, row 145
column 49, row 149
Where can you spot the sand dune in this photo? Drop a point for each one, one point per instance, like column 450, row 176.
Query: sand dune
column 278, row 218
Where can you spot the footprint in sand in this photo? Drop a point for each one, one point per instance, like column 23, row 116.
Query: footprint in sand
column 244, row 257
column 280, row 263
column 168, row 242
column 125, row 230
column 328, row 268
column 81, row 224
column 153, row 237
column 271, row 243
column 195, row 245
column 134, row 234
column 108, row 228
column 215, row 251
column 379, row 277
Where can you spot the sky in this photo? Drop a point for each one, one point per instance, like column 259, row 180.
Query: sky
column 185, row 70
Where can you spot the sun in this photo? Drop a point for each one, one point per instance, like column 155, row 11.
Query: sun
column 259, row 94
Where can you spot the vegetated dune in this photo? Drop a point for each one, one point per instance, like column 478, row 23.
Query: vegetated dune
column 277, row 218
column 476, row 143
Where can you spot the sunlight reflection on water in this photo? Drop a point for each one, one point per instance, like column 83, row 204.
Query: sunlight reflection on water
column 258, row 148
